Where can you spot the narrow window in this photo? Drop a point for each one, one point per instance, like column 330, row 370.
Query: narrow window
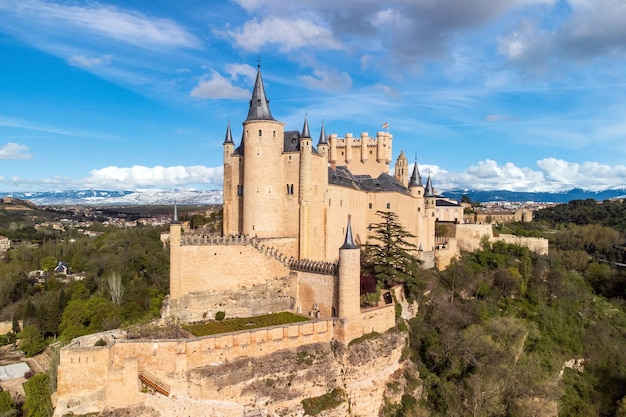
column 388, row 205
column 273, row 133
column 260, row 132
column 370, row 206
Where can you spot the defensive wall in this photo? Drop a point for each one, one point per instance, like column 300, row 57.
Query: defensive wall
column 91, row 377
column 469, row 237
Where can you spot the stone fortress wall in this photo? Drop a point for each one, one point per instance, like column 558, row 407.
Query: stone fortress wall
column 94, row 377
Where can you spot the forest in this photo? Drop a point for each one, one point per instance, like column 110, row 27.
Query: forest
column 493, row 335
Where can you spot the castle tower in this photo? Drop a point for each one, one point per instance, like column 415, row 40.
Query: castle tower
column 262, row 167
column 322, row 144
column 175, row 257
column 402, row 169
column 349, row 305
column 430, row 204
column 305, row 190
column 415, row 183
column 349, row 324
column 229, row 147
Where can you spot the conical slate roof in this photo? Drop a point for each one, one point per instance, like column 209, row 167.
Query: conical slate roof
column 259, row 104
column 430, row 191
column 323, row 140
column 229, row 135
column 349, row 242
column 416, row 178
column 305, row 128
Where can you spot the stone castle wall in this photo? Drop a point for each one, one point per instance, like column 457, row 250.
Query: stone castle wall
column 91, row 378
column 535, row 244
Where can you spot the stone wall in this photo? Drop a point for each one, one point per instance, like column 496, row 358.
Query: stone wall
column 535, row 244
column 469, row 235
column 91, row 378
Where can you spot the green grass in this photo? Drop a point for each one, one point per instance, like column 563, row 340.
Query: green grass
column 314, row 406
column 242, row 323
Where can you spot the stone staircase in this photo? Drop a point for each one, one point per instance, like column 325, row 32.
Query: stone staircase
column 154, row 383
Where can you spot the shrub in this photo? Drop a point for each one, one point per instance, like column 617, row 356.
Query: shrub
column 220, row 315
column 314, row 406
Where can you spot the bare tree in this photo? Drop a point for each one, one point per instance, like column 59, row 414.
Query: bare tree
column 116, row 288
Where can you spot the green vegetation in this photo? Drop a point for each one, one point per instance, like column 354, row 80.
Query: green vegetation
column 123, row 278
column 497, row 326
column 242, row 323
column 37, row 403
column 7, row 407
column 388, row 257
column 314, row 406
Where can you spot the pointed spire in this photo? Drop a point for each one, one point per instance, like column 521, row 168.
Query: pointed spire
column 323, row 140
column 416, row 178
column 349, row 242
column 175, row 218
column 229, row 135
column 259, row 104
column 305, row 128
column 430, row 191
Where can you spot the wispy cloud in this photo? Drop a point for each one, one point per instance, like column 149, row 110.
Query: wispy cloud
column 111, row 22
column 88, row 62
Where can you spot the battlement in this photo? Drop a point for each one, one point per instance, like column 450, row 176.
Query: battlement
column 316, row 267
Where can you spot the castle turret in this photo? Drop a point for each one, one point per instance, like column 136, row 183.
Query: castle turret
column 415, row 183
column 430, row 204
column 175, row 258
column 229, row 147
column 402, row 169
column 305, row 191
column 322, row 144
column 349, row 277
column 262, row 167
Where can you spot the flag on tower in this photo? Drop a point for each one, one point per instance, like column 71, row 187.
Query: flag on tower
column 386, row 125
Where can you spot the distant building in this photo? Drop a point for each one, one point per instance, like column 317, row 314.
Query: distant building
column 5, row 244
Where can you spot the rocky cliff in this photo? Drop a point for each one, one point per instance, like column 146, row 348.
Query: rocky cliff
column 329, row 379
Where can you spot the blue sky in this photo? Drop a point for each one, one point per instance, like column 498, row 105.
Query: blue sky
column 523, row 95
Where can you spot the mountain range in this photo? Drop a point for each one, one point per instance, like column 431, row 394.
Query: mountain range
column 194, row 197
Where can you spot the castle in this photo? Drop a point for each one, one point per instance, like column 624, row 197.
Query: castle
column 289, row 206
column 295, row 214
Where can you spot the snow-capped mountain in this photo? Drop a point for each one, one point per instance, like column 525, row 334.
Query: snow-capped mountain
column 189, row 197
column 108, row 198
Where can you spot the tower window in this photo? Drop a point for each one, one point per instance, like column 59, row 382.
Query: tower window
column 273, row 133
column 290, row 189
column 370, row 206
column 388, row 205
column 260, row 132
column 240, row 190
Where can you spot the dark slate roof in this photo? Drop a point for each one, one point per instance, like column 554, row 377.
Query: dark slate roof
column 416, row 178
column 229, row 135
column 259, row 104
column 305, row 128
column 446, row 203
column 430, row 191
column 384, row 183
column 349, row 241
column 323, row 140
column 292, row 141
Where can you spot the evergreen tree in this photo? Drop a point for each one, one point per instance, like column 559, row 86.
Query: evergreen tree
column 30, row 315
column 388, row 258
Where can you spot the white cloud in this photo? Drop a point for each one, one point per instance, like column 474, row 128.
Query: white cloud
column 88, row 62
column 287, row 33
column 245, row 70
column 329, row 79
column 215, row 86
column 14, row 151
column 122, row 25
column 113, row 177
column 554, row 175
